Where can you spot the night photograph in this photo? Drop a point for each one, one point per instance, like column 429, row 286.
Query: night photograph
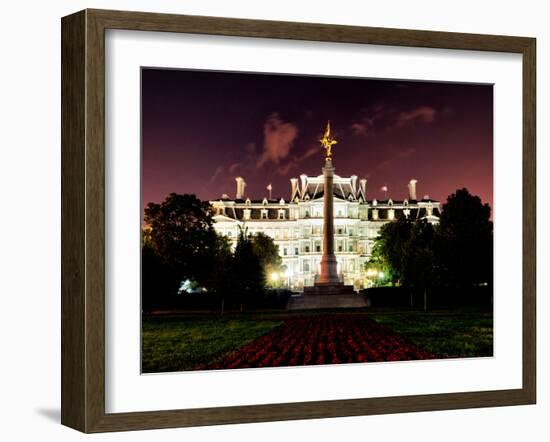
column 299, row 220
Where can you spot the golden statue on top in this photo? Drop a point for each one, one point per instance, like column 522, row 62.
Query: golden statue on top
column 327, row 141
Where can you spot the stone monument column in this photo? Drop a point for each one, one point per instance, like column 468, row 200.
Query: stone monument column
column 329, row 265
column 328, row 291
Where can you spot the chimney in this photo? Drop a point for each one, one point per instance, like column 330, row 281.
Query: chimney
column 241, row 184
column 412, row 189
column 363, row 185
column 294, row 188
column 353, row 180
column 303, row 179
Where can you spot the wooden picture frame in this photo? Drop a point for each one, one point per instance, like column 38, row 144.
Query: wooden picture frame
column 83, row 220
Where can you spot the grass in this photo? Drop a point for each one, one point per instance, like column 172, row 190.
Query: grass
column 448, row 334
column 177, row 343
column 185, row 341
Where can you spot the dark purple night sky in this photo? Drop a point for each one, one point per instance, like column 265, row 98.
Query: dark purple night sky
column 202, row 129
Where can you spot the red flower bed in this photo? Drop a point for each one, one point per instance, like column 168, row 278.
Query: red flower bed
column 323, row 339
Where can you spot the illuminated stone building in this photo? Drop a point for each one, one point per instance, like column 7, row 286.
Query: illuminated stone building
column 296, row 224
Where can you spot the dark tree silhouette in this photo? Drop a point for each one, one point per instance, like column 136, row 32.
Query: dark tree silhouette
column 180, row 243
column 420, row 264
column 182, row 235
column 465, row 242
column 458, row 252
column 390, row 245
column 158, row 285
column 267, row 252
column 247, row 274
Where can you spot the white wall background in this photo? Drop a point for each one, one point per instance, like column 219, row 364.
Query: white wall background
column 30, row 217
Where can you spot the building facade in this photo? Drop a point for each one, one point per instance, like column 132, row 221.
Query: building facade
column 296, row 224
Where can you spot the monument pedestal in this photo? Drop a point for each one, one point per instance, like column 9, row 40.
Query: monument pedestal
column 329, row 271
column 327, row 295
column 329, row 288
column 317, row 297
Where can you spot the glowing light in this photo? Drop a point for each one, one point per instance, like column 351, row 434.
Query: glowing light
column 274, row 276
column 381, row 275
column 372, row 272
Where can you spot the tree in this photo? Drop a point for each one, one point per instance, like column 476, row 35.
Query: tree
column 179, row 243
column 389, row 247
column 157, row 289
column 182, row 234
column 465, row 243
column 420, row 263
column 379, row 263
column 247, row 274
column 456, row 253
column 221, row 262
column 267, row 252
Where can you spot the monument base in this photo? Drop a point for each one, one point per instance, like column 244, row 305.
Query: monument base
column 329, row 288
column 322, row 296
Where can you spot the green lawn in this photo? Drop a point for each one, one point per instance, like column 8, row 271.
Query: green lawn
column 176, row 343
column 182, row 342
column 447, row 334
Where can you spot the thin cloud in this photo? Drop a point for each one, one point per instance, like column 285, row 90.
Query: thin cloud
column 422, row 114
column 380, row 118
column 279, row 138
column 297, row 160
column 225, row 174
column 215, row 175
column 394, row 157
column 370, row 119
column 363, row 128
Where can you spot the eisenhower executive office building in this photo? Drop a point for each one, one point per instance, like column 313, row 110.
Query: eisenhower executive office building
column 296, row 225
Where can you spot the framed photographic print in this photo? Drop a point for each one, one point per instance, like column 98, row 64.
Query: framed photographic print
column 267, row 221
